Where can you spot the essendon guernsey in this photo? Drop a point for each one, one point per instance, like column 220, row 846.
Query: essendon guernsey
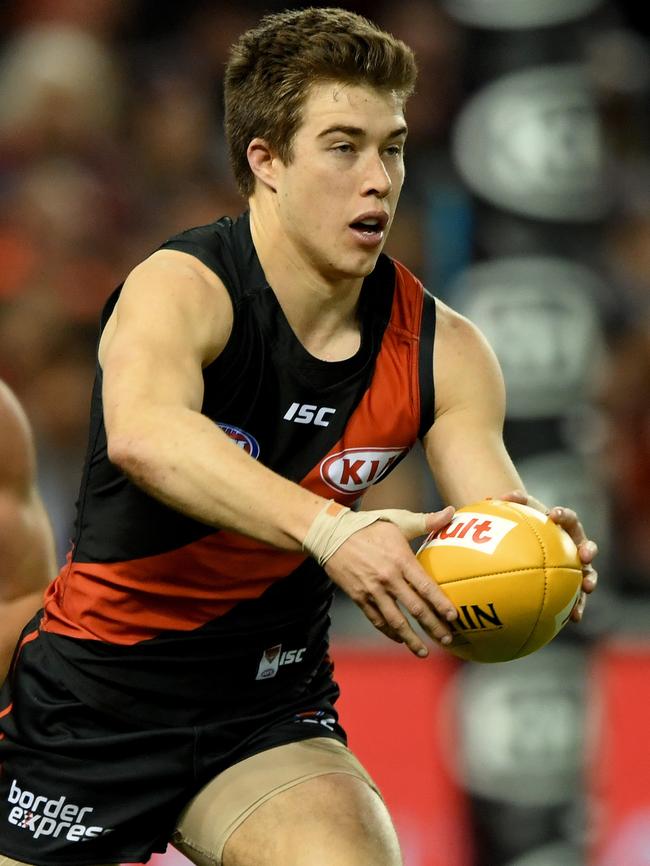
column 152, row 602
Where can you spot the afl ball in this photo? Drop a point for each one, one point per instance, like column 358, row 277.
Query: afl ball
column 512, row 573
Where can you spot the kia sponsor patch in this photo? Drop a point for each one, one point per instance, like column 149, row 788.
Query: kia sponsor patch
column 355, row 469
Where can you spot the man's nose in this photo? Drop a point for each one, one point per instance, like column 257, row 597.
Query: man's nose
column 377, row 180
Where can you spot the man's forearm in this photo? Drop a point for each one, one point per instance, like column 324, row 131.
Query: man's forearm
column 183, row 459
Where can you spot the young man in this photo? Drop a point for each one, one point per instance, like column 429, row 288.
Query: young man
column 27, row 560
column 254, row 378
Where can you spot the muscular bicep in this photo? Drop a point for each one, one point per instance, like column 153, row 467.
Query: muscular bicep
column 464, row 447
column 173, row 318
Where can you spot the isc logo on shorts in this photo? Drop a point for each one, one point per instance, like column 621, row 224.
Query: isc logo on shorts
column 273, row 658
column 476, row 531
column 354, row 469
column 42, row 816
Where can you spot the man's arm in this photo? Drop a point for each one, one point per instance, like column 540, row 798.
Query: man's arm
column 173, row 317
column 465, row 448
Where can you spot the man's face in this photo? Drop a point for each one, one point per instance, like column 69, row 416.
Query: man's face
column 337, row 196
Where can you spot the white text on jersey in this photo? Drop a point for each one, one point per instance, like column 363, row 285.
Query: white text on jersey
column 306, row 413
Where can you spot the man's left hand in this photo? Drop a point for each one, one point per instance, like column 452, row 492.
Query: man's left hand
column 587, row 549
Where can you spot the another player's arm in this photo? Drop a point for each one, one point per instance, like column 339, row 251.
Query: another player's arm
column 173, row 318
column 27, row 555
column 464, row 447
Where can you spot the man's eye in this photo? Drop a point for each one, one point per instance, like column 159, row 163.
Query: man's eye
column 394, row 149
column 343, row 148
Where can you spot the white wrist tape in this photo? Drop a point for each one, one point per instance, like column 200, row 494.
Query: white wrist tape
column 335, row 523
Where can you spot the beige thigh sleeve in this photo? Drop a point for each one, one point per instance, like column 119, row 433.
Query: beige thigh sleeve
column 225, row 802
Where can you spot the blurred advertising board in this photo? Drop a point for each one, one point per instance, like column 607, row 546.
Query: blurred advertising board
column 619, row 754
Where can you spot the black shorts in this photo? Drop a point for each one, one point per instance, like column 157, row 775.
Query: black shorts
column 80, row 787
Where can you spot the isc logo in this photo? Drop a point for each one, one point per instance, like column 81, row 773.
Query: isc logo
column 273, row 658
column 477, row 531
column 355, row 469
column 307, row 413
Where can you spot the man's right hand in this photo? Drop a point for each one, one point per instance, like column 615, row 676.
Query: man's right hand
column 377, row 569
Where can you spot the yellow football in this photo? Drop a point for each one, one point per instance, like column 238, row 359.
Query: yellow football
column 512, row 573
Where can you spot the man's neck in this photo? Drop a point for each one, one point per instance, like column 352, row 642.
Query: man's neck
column 322, row 313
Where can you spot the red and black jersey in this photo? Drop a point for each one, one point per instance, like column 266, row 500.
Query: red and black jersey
column 152, row 602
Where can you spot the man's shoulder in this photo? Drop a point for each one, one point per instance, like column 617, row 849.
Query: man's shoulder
column 224, row 246
column 219, row 229
column 225, row 231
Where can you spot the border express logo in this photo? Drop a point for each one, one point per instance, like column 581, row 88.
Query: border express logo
column 241, row 438
column 355, row 469
column 45, row 816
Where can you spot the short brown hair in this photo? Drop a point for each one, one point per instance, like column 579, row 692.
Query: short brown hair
column 273, row 66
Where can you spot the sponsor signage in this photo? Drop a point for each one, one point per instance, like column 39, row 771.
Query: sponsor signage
column 551, row 855
column 473, row 530
column 39, row 815
column 518, row 14
column 566, row 477
column 531, row 142
column 539, row 315
column 355, row 469
column 521, row 728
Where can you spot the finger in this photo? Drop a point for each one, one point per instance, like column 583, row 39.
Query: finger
column 589, row 579
column 397, row 623
column 435, row 520
column 410, row 523
column 372, row 614
column 427, row 588
column 568, row 520
column 422, row 613
column 579, row 608
column 515, row 496
column 413, row 524
column 588, row 550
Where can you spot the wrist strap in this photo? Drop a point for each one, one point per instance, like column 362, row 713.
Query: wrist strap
column 335, row 523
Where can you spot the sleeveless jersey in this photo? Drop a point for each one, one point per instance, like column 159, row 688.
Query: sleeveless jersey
column 152, row 602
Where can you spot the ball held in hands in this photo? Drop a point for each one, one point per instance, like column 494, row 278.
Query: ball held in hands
column 513, row 574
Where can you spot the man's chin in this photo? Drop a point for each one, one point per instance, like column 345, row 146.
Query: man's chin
column 362, row 267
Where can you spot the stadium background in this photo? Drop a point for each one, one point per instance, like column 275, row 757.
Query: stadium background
column 526, row 205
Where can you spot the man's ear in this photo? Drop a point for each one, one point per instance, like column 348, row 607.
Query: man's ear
column 263, row 162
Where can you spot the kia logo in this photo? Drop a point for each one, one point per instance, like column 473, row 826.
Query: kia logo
column 355, row 469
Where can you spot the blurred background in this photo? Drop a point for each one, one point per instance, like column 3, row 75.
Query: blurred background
column 526, row 207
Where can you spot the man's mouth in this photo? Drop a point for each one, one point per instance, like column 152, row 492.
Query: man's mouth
column 369, row 226
column 369, row 229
